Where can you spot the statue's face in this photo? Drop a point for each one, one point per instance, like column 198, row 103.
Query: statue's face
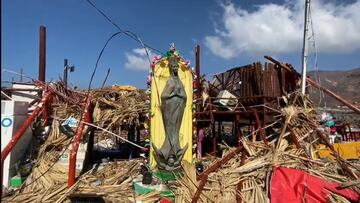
column 173, row 64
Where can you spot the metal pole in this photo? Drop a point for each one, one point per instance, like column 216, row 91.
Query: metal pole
column 197, row 71
column 65, row 72
column 21, row 74
column 305, row 47
column 77, row 139
column 198, row 92
column 42, row 53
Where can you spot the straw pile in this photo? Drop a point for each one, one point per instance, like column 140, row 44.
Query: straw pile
column 111, row 181
column 61, row 93
column 45, row 171
column 48, row 195
column 47, row 181
column 116, row 108
column 299, row 121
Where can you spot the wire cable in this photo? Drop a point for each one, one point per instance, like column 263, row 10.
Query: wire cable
column 81, row 111
column 316, row 68
column 128, row 33
column 98, row 59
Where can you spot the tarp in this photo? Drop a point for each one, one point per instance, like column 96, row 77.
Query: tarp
column 292, row 185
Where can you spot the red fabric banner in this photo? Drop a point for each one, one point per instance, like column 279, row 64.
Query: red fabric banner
column 292, row 185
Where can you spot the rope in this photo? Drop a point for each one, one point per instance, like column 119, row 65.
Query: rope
column 316, row 68
column 111, row 133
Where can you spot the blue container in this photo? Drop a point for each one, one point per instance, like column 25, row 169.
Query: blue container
column 330, row 123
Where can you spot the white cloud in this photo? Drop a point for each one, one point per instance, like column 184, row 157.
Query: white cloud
column 138, row 60
column 217, row 46
column 274, row 29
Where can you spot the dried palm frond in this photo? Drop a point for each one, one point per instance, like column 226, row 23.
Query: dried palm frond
column 250, row 181
column 116, row 108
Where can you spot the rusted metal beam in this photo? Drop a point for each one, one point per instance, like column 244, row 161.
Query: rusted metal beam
column 220, row 162
column 294, row 139
column 240, row 184
column 76, row 142
column 317, row 85
column 260, row 128
column 65, row 75
column 220, row 82
column 229, row 82
column 46, row 110
column 20, row 132
column 204, row 175
column 238, row 129
column 199, row 188
column 197, row 71
column 42, row 53
column 212, row 123
column 21, row 74
column 198, row 87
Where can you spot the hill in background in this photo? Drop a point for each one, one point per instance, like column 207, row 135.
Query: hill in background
column 344, row 83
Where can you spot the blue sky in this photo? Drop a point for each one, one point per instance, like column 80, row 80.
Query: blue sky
column 230, row 33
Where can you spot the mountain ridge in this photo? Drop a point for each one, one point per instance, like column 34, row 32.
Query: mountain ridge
column 345, row 83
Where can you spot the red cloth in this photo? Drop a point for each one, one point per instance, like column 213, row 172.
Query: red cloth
column 292, row 185
column 165, row 200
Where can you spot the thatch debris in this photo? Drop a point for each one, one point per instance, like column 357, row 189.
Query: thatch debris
column 115, row 109
column 246, row 175
column 300, row 122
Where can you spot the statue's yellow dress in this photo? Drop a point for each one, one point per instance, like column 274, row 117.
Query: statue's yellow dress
column 161, row 75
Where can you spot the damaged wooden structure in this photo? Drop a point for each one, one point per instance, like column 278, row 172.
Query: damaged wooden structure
column 255, row 90
column 252, row 100
column 246, row 96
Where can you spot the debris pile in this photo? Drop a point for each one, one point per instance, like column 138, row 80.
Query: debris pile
column 118, row 106
column 250, row 172
column 247, row 175
column 111, row 181
column 114, row 108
